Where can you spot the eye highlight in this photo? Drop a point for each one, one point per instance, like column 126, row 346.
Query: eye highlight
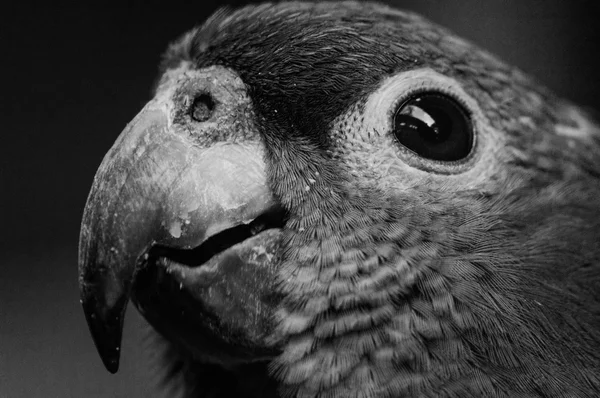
column 434, row 126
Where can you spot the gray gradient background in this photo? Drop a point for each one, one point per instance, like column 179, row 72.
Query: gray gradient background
column 73, row 76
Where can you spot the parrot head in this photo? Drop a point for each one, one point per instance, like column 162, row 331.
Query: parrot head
column 358, row 197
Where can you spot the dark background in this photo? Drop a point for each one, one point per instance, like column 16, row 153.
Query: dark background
column 72, row 76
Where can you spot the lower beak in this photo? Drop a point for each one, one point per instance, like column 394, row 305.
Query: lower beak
column 155, row 187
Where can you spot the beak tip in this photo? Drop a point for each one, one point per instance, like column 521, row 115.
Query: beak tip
column 106, row 327
column 108, row 346
column 111, row 363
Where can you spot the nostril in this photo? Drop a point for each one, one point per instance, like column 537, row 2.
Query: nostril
column 202, row 108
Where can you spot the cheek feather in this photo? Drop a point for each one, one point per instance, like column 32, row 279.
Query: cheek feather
column 380, row 296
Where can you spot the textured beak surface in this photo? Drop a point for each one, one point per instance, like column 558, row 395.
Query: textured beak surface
column 155, row 186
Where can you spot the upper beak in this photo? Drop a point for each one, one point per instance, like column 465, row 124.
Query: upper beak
column 155, row 186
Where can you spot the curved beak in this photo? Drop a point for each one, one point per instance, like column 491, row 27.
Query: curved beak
column 156, row 186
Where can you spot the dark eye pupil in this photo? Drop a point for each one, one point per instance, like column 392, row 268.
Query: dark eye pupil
column 202, row 108
column 434, row 126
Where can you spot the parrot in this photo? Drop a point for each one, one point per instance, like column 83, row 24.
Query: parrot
column 343, row 199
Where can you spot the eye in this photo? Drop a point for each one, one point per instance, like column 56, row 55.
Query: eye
column 434, row 126
column 202, row 108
